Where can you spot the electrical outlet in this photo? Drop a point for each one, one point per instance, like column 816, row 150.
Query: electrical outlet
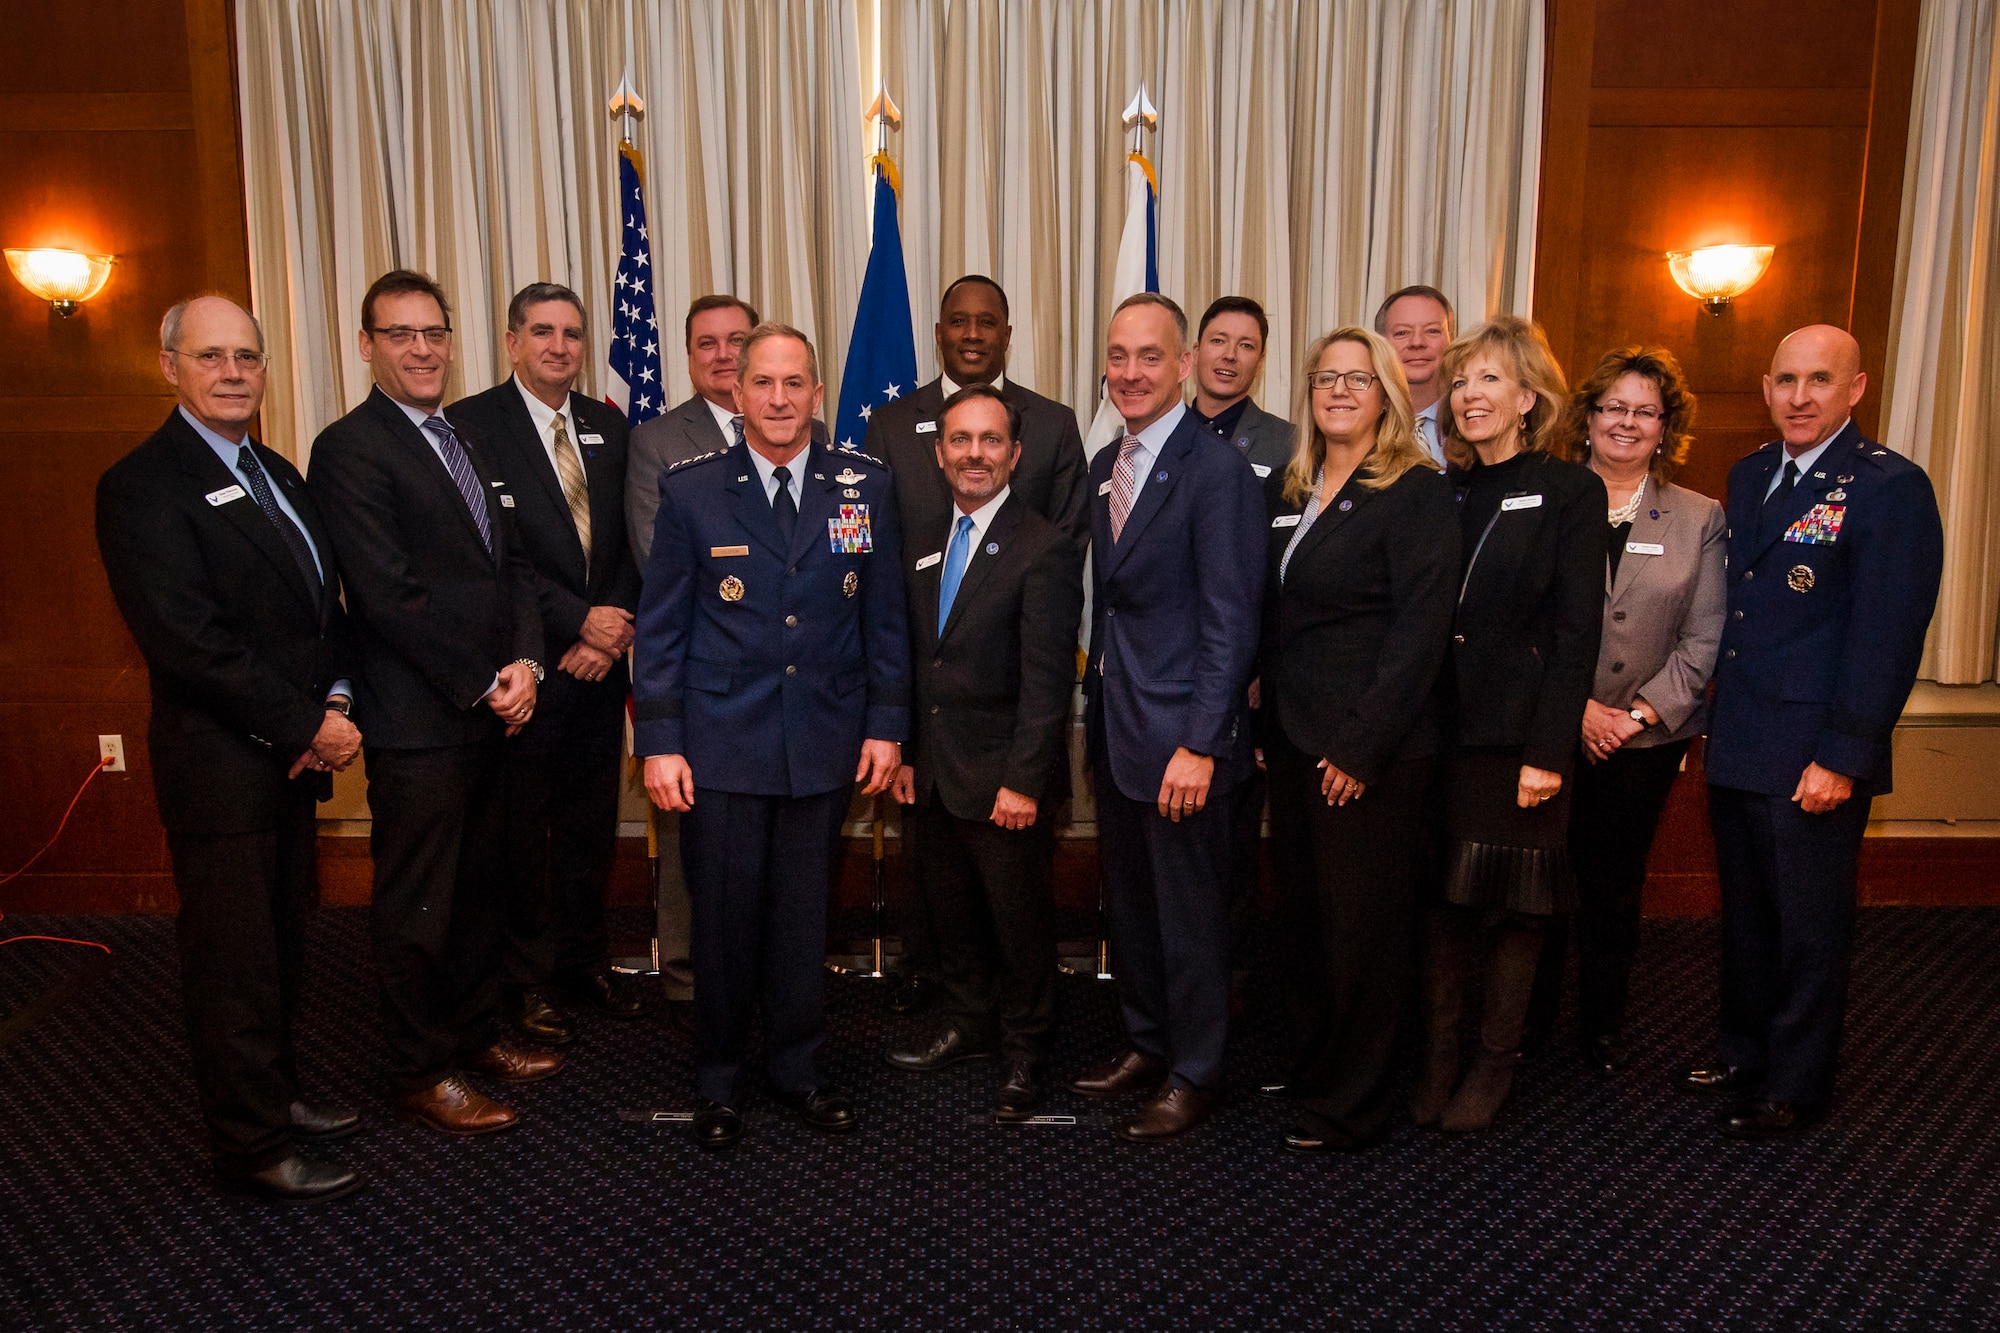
column 112, row 748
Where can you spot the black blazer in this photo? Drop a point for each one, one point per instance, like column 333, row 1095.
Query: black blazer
column 240, row 649
column 1355, row 635
column 991, row 697
column 1049, row 478
column 435, row 617
column 1530, row 614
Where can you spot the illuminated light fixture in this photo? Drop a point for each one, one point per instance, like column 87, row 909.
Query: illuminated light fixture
column 1715, row 275
column 63, row 278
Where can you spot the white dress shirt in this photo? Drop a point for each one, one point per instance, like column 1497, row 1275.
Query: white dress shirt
column 1150, row 440
column 724, row 417
column 544, row 418
column 1805, row 460
column 766, row 470
column 950, row 387
column 982, row 519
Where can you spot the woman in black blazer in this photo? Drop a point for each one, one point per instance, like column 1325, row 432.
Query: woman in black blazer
column 1523, row 654
column 1363, row 566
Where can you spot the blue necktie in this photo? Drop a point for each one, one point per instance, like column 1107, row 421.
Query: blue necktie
column 954, row 567
column 260, row 491
column 459, row 465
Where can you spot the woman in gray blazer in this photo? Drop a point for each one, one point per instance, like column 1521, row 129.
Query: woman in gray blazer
column 1663, row 608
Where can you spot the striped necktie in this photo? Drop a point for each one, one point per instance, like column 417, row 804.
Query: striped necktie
column 295, row 540
column 459, row 464
column 576, row 490
column 1124, row 484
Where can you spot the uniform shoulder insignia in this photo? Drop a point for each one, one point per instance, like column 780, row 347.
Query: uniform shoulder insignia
column 866, row 458
column 698, row 458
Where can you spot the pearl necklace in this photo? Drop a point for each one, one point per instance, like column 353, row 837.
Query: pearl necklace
column 1629, row 511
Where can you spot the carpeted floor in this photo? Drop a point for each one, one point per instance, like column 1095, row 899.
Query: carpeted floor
column 1592, row 1203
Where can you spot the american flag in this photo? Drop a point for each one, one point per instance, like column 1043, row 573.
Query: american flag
column 636, row 387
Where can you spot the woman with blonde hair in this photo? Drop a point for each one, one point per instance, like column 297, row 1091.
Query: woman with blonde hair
column 1363, row 564
column 1524, row 640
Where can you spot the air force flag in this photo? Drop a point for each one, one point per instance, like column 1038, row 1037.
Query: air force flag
column 882, row 355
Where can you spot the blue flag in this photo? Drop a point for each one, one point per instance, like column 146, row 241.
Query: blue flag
column 882, row 355
column 636, row 388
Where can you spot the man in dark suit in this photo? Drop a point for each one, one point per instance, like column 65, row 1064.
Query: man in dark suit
column 1177, row 528
column 771, row 673
column 994, row 603
column 449, row 643
column 225, row 574
column 1835, row 554
column 715, row 330
column 973, row 335
column 1419, row 323
column 563, row 456
column 1228, row 357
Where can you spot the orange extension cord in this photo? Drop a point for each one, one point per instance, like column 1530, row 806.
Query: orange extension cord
column 102, row 764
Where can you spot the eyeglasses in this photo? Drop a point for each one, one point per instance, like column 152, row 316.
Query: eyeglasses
column 402, row 335
column 1640, row 414
column 214, row 359
column 1357, row 381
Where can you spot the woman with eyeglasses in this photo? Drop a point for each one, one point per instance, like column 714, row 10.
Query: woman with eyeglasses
column 1662, row 623
column 1363, row 566
column 1524, row 644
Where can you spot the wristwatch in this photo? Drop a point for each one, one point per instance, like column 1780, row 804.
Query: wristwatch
column 340, row 704
column 1638, row 715
column 534, row 668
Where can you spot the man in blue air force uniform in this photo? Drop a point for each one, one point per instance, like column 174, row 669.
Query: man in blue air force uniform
column 1835, row 551
column 771, row 673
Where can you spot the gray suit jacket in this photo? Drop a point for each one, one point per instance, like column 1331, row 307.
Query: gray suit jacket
column 1663, row 614
column 1264, row 439
column 685, row 432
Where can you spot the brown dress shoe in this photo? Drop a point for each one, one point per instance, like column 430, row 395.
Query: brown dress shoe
column 515, row 1064
column 455, row 1108
column 1133, row 1071
column 1174, row 1112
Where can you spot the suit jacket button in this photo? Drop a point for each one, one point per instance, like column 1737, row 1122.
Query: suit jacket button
column 1617, row 615
column 791, row 671
column 934, row 709
column 1739, row 615
column 1730, row 653
column 1458, row 638
column 790, row 621
column 937, row 661
column 1110, row 610
column 1749, row 574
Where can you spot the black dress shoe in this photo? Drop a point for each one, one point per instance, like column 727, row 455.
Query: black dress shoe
column 948, row 1047
column 1717, row 1078
column 296, row 1179
column 1304, row 1138
column 715, row 1125
column 910, row 994
column 1134, row 1071
column 598, row 988
column 1022, row 1094
column 822, row 1108
column 1607, row 1055
column 1277, row 1091
column 531, row 1016
column 320, row 1121
column 1765, row 1119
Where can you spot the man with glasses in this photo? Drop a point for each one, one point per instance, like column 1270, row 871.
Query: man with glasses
column 449, row 644
column 224, row 571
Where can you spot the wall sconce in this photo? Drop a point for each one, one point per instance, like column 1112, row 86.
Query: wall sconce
column 1715, row 275
column 63, row 278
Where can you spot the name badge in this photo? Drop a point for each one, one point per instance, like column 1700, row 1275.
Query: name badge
column 721, row 552
column 848, row 532
column 930, row 560
column 590, row 439
column 927, row 428
column 507, row 501
column 1819, row 527
column 1105, row 489
column 225, row 495
column 1520, row 502
column 1261, row 469
column 1644, row 548
column 1286, row 520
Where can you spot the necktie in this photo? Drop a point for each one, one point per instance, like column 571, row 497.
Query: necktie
column 954, row 568
column 736, row 427
column 260, row 491
column 1124, row 484
column 783, row 505
column 459, row 464
column 569, row 471
column 1785, row 484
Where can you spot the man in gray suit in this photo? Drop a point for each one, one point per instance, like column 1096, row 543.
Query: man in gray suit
column 1228, row 357
column 716, row 329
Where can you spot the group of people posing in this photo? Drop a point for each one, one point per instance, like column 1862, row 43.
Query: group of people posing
column 1453, row 621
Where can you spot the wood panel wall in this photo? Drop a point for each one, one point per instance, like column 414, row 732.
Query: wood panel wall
column 117, row 135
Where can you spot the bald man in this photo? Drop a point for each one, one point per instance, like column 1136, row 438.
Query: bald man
column 1835, row 551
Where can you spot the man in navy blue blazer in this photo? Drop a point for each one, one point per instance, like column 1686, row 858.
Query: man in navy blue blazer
column 1177, row 529
column 771, row 672
column 1835, row 552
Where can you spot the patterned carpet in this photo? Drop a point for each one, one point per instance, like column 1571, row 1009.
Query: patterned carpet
column 1592, row 1204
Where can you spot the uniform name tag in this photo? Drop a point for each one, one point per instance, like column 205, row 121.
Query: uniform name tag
column 1520, row 502
column 927, row 428
column 930, row 560
column 225, row 495
column 1105, row 489
column 1286, row 520
column 507, row 501
column 591, row 439
column 1261, row 469
column 719, row 552
column 848, row 533
column 1819, row 527
column 1644, row 548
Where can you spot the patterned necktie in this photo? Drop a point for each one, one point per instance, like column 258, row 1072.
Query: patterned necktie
column 954, row 568
column 1124, row 484
column 569, row 471
column 459, row 464
column 736, row 427
column 260, row 491
column 783, row 505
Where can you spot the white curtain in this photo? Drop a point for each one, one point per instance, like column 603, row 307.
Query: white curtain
column 1943, row 397
column 1313, row 155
